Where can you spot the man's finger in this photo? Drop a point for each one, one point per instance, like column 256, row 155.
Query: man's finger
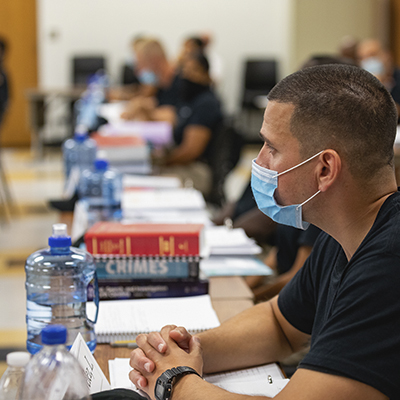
column 156, row 339
column 139, row 361
column 138, row 379
column 181, row 336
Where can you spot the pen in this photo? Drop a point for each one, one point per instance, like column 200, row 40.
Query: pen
column 131, row 344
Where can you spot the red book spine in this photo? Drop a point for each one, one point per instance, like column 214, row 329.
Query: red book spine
column 158, row 245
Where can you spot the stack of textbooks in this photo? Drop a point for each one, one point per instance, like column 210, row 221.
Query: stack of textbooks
column 139, row 261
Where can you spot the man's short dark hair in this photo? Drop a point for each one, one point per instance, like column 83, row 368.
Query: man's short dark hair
column 344, row 108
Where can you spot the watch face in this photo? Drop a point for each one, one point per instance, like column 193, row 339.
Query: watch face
column 159, row 391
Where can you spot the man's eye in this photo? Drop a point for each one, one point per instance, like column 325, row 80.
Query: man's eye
column 269, row 147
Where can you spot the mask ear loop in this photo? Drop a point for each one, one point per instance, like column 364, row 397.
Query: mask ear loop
column 302, row 204
column 299, row 165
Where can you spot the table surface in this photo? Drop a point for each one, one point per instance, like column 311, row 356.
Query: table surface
column 229, row 296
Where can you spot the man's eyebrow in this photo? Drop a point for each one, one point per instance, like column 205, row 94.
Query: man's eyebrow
column 264, row 139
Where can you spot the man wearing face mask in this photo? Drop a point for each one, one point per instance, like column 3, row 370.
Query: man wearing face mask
column 375, row 59
column 159, row 82
column 327, row 159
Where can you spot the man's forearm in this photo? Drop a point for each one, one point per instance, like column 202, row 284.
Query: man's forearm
column 251, row 338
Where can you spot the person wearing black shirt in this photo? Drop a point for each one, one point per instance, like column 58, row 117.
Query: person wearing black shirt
column 327, row 159
column 196, row 121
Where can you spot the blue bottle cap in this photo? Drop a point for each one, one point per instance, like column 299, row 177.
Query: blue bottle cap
column 101, row 164
column 80, row 137
column 60, row 237
column 54, row 334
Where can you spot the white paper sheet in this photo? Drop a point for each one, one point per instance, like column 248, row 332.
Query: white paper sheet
column 95, row 378
column 234, row 266
column 266, row 380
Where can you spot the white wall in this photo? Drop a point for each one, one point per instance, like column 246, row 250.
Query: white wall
column 319, row 25
column 240, row 28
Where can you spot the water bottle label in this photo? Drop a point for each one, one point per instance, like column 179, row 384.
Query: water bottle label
column 39, row 315
column 93, row 296
column 58, row 389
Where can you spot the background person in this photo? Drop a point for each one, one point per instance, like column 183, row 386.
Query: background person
column 197, row 120
column 374, row 58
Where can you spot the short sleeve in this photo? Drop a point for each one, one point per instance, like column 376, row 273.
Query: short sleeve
column 206, row 113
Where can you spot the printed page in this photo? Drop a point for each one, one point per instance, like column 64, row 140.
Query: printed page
column 266, row 380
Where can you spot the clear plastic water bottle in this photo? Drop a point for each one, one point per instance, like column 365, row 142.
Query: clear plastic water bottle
column 79, row 152
column 87, row 107
column 54, row 373
column 101, row 188
column 11, row 381
column 57, row 281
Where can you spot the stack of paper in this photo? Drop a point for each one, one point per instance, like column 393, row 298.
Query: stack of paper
column 234, row 266
column 150, row 182
column 162, row 199
column 225, row 241
column 155, row 132
column 167, row 217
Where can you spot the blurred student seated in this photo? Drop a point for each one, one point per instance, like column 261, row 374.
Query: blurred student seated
column 190, row 45
column 201, row 43
column 245, row 214
column 374, row 58
column 196, row 115
column 291, row 250
column 158, row 79
column 197, row 121
column 129, row 81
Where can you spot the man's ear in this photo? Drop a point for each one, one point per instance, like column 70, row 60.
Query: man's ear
column 328, row 169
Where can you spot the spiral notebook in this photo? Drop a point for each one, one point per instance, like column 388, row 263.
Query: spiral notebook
column 125, row 319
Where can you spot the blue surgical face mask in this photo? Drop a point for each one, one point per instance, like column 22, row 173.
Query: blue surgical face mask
column 148, row 77
column 264, row 183
column 373, row 65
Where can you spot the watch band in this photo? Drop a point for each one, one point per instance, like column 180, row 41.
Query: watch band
column 163, row 387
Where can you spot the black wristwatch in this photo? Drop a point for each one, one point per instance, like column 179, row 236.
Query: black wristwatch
column 165, row 381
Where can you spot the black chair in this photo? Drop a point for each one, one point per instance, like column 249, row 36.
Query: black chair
column 224, row 154
column 85, row 66
column 260, row 76
column 128, row 75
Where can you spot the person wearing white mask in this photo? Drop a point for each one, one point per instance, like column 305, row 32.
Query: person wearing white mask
column 327, row 159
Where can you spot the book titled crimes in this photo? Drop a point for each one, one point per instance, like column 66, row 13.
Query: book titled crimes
column 123, row 289
column 115, row 238
column 147, row 267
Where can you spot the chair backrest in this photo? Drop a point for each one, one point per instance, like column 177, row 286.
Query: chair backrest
column 260, row 76
column 85, row 66
column 223, row 157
